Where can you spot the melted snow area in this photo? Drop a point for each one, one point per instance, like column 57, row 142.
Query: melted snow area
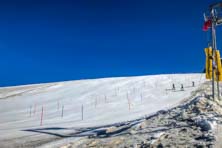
column 103, row 101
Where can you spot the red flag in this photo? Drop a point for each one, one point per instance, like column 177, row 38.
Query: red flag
column 207, row 25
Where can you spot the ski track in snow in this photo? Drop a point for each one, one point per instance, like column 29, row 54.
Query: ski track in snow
column 105, row 101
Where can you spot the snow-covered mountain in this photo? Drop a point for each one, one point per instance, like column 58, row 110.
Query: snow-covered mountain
column 60, row 107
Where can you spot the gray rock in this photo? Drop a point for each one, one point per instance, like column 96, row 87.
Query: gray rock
column 204, row 124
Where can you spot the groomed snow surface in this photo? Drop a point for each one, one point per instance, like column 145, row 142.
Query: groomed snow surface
column 103, row 101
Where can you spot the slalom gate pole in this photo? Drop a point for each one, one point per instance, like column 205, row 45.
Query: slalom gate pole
column 141, row 97
column 30, row 111
column 129, row 104
column 82, row 111
column 95, row 102
column 34, row 109
column 62, row 110
column 128, row 101
column 41, row 116
column 57, row 105
column 105, row 99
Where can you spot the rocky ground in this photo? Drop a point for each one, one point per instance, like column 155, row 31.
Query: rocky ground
column 195, row 123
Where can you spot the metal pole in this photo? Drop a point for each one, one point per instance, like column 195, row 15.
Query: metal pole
column 218, row 86
column 216, row 66
column 213, row 48
column 214, row 44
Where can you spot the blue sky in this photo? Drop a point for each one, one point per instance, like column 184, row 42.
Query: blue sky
column 49, row 41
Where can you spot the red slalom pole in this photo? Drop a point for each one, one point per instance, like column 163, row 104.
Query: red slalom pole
column 41, row 116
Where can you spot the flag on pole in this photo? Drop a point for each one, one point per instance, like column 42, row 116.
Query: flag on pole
column 207, row 25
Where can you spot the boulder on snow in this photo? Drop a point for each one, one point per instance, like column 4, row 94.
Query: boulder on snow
column 203, row 124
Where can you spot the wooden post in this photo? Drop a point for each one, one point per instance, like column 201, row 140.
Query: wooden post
column 41, row 117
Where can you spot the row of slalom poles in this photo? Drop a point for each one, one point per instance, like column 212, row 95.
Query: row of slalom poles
column 82, row 106
column 61, row 107
column 42, row 112
column 96, row 99
column 34, row 112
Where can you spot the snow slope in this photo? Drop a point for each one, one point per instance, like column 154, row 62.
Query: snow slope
column 104, row 101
